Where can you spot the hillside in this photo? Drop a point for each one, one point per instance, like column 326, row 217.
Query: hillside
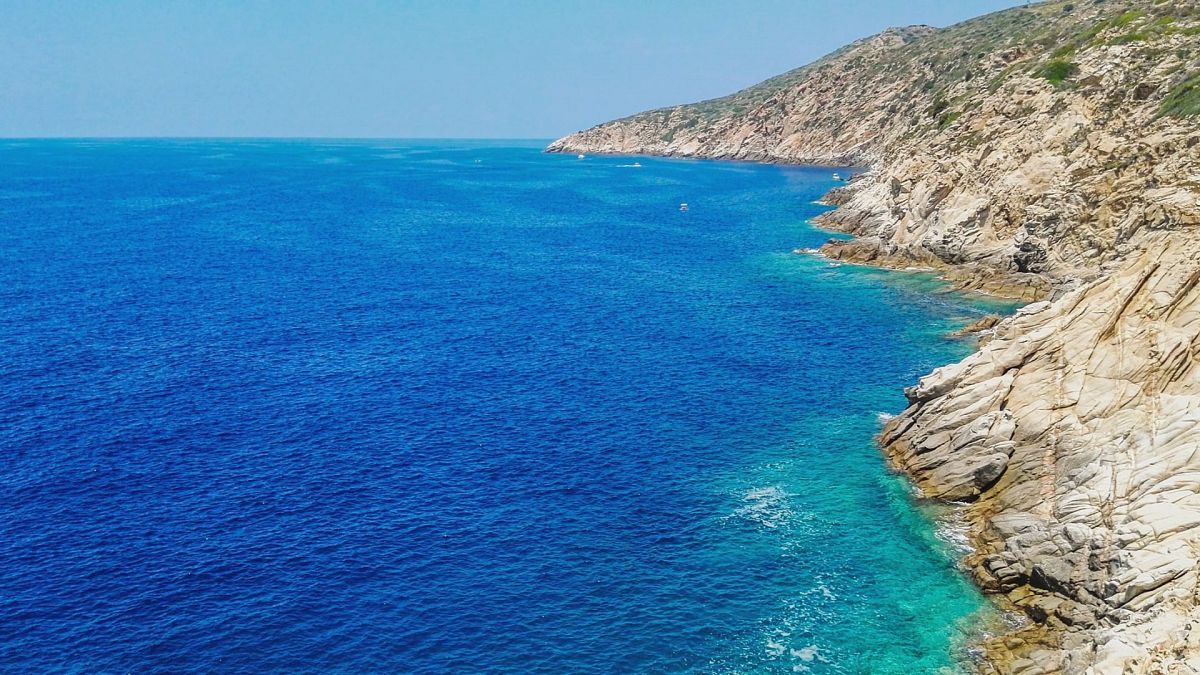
column 1049, row 153
column 1034, row 140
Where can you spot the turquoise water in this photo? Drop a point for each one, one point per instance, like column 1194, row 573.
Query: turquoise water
column 453, row 406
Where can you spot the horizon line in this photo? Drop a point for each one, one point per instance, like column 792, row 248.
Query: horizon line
column 279, row 138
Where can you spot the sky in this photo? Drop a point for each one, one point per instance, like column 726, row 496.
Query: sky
column 405, row 69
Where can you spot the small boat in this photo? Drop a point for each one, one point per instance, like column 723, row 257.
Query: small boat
column 837, row 177
column 638, row 164
column 683, row 206
column 579, row 157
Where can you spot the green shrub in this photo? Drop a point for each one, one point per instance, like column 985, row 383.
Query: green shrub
column 1125, row 19
column 1127, row 38
column 1184, row 99
column 1065, row 50
column 998, row 80
column 1057, row 72
column 939, row 105
column 1119, row 21
column 946, row 119
column 1090, row 34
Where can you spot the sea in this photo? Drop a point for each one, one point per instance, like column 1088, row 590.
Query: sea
column 456, row 407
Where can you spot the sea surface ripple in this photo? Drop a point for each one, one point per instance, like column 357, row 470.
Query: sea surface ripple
column 410, row 406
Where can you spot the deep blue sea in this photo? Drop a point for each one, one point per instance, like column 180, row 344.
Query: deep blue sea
column 400, row 406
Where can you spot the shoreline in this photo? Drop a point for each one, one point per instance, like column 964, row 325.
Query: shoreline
column 851, row 166
column 977, row 650
column 982, row 650
column 1087, row 595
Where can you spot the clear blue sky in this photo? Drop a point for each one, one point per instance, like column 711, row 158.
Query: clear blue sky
column 434, row 68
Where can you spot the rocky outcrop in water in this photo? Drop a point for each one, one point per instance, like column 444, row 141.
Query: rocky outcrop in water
column 1049, row 153
column 1076, row 433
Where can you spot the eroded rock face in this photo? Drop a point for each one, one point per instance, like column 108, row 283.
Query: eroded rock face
column 1076, row 433
column 1037, row 153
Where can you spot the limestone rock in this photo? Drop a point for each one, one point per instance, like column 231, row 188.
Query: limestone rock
column 1098, row 397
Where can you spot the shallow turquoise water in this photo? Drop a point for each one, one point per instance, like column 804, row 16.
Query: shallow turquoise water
column 450, row 406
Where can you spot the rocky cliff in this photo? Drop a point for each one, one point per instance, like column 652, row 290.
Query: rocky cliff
column 1050, row 153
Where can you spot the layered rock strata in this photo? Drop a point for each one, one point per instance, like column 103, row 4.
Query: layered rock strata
column 1075, row 432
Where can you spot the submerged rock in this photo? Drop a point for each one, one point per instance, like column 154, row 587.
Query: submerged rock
column 983, row 325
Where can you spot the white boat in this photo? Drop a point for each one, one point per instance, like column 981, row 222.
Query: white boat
column 683, row 206
column 836, row 177
column 580, row 157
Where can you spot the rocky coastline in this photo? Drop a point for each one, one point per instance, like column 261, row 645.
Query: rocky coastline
column 1050, row 154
